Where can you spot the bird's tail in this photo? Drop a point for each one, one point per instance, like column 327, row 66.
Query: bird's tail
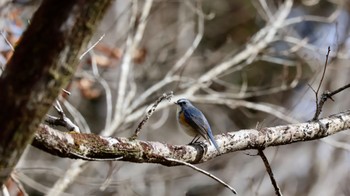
column 212, row 140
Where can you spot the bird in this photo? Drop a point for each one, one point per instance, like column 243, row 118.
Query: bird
column 193, row 122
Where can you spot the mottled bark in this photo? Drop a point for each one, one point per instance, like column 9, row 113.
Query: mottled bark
column 95, row 147
column 42, row 64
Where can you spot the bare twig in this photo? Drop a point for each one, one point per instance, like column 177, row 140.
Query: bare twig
column 78, row 117
column 272, row 109
column 199, row 11
column 269, row 171
column 62, row 120
column 267, row 12
column 204, row 172
column 66, row 92
column 150, row 112
column 312, row 18
column 330, row 94
column 90, row 48
column 325, row 96
column 108, row 95
column 106, row 87
column 324, row 72
column 7, row 41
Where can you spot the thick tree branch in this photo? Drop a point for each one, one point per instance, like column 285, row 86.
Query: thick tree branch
column 91, row 146
column 42, row 64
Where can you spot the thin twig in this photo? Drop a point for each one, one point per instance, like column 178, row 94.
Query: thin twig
column 106, row 87
column 7, row 41
column 150, row 112
column 312, row 18
column 66, row 91
column 200, row 12
column 324, row 70
column 88, row 50
column 318, row 106
column 269, row 171
column 330, row 94
column 325, row 96
column 204, row 172
column 111, row 171
column 267, row 11
column 108, row 95
column 78, row 117
column 62, row 120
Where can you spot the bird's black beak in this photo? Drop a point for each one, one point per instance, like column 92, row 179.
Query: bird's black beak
column 176, row 103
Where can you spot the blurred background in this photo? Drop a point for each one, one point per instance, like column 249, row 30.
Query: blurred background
column 241, row 62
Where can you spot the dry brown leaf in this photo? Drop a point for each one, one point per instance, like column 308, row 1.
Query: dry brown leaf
column 115, row 53
column 88, row 89
column 139, row 55
column 102, row 60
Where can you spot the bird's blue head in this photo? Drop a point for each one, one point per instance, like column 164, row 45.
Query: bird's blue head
column 184, row 103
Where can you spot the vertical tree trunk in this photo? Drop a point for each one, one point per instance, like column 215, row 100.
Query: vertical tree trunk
column 42, row 64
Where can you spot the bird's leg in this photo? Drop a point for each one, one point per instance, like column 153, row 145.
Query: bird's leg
column 195, row 139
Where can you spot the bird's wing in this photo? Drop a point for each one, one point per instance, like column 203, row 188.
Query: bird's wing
column 197, row 120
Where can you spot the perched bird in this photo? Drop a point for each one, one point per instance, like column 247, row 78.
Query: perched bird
column 194, row 123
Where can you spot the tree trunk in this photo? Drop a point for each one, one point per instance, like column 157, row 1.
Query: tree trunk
column 43, row 63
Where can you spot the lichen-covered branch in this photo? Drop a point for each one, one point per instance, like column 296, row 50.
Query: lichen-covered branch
column 42, row 64
column 95, row 147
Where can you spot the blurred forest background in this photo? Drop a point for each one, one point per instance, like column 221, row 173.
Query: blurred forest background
column 241, row 62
